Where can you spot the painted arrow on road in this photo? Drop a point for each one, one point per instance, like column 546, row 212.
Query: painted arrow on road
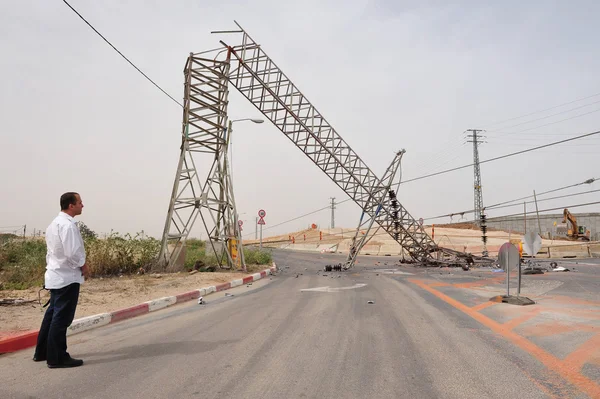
column 332, row 289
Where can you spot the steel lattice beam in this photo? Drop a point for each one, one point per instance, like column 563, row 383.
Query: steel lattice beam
column 385, row 200
column 262, row 82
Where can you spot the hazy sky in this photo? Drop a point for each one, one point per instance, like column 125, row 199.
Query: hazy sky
column 386, row 74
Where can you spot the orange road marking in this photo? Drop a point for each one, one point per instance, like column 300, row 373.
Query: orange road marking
column 440, row 284
column 482, row 306
column 551, row 362
column 480, row 283
column 579, row 356
column 521, row 319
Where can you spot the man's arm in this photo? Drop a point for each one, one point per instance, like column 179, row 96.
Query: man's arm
column 73, row 247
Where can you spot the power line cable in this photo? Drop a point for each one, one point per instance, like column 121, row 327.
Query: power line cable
column 551, row 123
column 543, row 110
column 546, row 210
column 517, row 204
column 588, row 181
column 547, row 116
column 503, row 156
column 121, row 54
column 446, row 171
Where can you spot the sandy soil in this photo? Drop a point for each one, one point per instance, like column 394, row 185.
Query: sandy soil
column 108, row 294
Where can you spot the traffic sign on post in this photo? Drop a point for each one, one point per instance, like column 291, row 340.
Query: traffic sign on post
column 508, row 258
column 532, row 243
column 261, row 221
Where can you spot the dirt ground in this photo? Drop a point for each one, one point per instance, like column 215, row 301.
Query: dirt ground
column 108, row 294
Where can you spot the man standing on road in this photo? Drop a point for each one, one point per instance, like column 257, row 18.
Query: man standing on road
column 65, row 271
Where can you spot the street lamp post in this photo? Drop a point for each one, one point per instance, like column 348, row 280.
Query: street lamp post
column 229, row 155
column 229, row 138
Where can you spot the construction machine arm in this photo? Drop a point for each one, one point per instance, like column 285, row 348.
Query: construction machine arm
column 572, row 219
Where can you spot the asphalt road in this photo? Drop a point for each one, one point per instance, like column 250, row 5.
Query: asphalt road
column 274, row 341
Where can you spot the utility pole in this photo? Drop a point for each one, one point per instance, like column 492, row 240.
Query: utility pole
column 475, row 138
column 256, row 228
column 538, row 214
column 332, row 212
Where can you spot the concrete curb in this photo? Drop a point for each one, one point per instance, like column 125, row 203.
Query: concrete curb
column 29, row 339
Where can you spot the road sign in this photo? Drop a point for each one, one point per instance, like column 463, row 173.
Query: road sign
column 508, row 258
column 262, row 214
column 532, row 243
column 240, row 223
column 421, row 221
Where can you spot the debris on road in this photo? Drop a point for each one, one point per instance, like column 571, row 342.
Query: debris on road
column 201, row 301
column 560, row 269
column 228, row 294
column 370, row 302
column 14, row 302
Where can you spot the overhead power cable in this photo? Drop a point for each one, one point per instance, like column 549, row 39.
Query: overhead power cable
column 316, row 239
column 546, row 117
column 551, row 123
column 540, row 111
column 588, row 181
column 511, row 205
column 546, row 210
column 502, row 157
column 122, row 55
column 451, row 170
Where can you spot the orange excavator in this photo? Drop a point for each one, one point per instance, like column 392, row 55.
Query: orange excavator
column 575, row 232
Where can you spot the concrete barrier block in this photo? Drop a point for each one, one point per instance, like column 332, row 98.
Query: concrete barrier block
column 237, row 283
column 161, row 303
column 87, row 323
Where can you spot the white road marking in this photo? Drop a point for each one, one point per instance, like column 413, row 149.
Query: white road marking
column 332, row 289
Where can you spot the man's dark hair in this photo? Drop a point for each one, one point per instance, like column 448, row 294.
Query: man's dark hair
column 68, row 199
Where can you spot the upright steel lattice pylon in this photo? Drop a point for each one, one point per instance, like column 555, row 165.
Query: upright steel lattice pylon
column 389, row 199
column 204, row 140
column 478, row 195
column 261, row 81
column 478, row 213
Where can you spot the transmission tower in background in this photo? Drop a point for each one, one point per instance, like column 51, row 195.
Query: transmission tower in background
column 475, row 138
column 332, row 212
column 479, row 217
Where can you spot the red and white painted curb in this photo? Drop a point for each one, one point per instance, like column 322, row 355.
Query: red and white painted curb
column 29, row 339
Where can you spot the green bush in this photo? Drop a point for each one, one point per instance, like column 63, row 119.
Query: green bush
column 196, row 251
column 22, row 263
column 255, row 256
column 118, row 254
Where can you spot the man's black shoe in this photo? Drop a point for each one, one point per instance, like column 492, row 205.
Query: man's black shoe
column 37, row 358
column 70, row 362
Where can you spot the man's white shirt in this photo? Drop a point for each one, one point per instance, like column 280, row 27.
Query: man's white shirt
column 66, row 253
